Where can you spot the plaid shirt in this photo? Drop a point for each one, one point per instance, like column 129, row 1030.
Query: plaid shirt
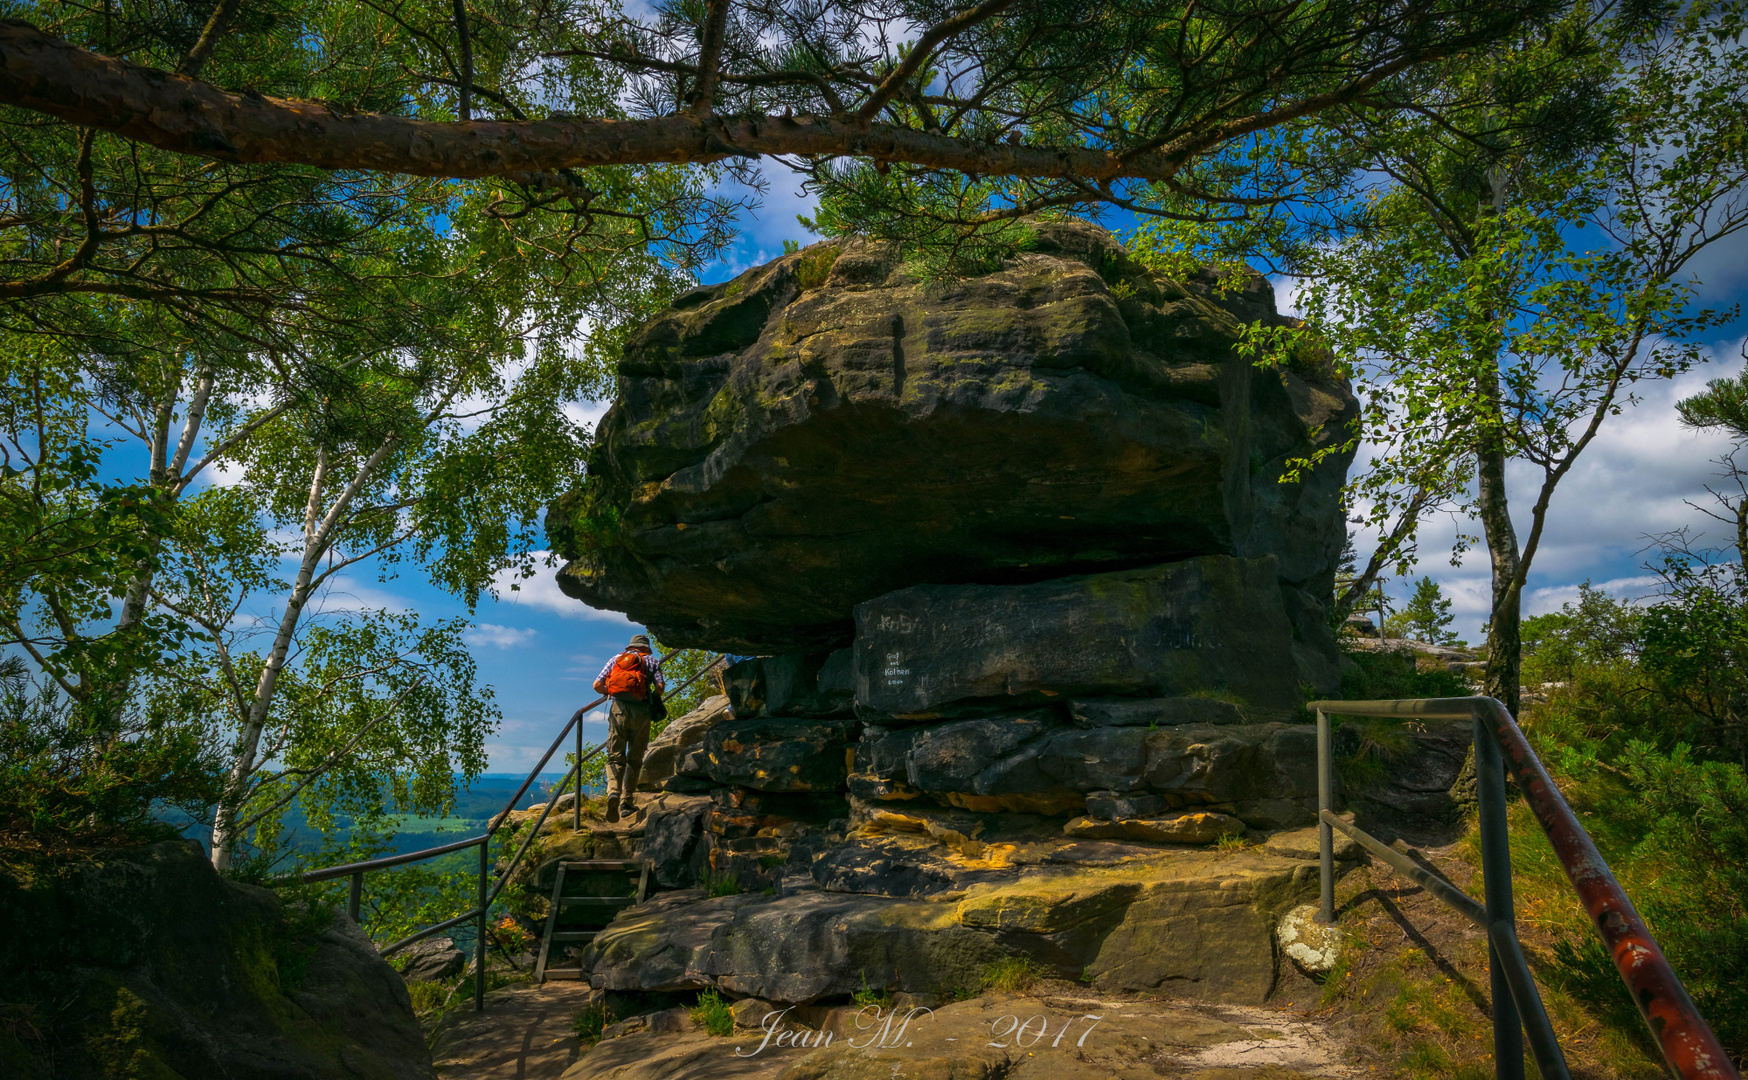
column 649, row 665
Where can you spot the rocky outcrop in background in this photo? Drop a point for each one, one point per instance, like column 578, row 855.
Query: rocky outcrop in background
column 144, row 962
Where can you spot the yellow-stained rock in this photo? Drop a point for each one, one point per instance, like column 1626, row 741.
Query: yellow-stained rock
column 1189, row 827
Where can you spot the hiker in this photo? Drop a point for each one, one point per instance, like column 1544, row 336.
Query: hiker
column 633, row 681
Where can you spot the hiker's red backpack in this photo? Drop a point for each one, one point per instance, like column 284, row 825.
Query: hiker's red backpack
column 627, row 677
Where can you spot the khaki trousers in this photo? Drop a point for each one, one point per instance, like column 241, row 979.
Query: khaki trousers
column 627, row 739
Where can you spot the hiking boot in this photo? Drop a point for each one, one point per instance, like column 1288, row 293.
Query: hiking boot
column 612, row 809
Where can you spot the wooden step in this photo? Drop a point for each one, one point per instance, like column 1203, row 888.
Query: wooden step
column 603, row 905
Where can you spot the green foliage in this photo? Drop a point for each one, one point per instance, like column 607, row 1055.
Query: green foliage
column 1722, row 404
column 1426, row 616
column 880, row 997
column 1366, row 745
column 69, row 779
column 1595, row 630
column 1372, row 676
column 683, row 665
column 589, row 1021
column 813, row 270
column 380, row 364
column 1513, row 259
column 1693, row 647
column 1641, row 748
column 713, row 1015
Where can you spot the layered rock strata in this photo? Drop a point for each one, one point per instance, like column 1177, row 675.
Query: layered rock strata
column 828, row 427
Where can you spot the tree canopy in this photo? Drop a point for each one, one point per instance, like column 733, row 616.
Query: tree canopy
column 1069, row 98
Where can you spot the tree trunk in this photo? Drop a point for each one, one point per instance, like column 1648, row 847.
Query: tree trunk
column 320, row 532
column 1504, row 636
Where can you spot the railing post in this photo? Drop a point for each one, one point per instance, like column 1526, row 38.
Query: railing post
column 1496, row 872
column 355, row 896
column 577, row 806
column 1325, row 835
column 479, row 950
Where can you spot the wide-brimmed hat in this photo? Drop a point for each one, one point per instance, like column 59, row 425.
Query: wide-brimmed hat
column 640, row 641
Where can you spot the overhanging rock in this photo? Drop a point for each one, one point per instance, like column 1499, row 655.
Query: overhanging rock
column 829, row 427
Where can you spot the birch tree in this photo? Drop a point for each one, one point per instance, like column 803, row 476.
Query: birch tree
column 1509, row 280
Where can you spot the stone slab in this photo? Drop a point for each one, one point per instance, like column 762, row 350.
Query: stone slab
column 1214, row 624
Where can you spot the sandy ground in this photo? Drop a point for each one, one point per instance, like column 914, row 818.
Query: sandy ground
column 524, row 1034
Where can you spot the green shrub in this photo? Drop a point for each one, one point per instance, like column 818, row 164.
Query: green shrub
column 712, row 1014
column 880, row 998
column 815, row 268
column 1371, row 676
column 71, row 778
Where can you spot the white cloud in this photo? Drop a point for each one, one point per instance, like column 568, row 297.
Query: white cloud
column 1636, row 588
column 343, row 593
column 541, row 592
column 586, row 413
column 1644, row 475
column 502, row 637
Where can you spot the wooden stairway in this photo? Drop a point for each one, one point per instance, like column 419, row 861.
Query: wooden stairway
column 597, row 911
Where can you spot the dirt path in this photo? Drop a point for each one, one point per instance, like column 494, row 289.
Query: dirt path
column 1058, row 1031
column 524, row 1034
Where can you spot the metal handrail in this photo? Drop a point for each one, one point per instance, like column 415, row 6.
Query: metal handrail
column 357, row 870
column 1686, row 1041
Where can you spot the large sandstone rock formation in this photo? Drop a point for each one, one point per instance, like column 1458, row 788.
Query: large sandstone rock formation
column 1037, row 620
column 827, row 428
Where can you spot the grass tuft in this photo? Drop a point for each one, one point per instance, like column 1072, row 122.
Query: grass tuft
column 590, row 1020
column 1010, row 975
column 1231, row 844
column 726, row 885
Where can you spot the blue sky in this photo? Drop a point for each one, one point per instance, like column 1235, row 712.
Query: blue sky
column 540, row 650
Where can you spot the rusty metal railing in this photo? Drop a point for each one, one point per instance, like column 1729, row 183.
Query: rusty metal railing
column 1687, row 1043
column 487, row 896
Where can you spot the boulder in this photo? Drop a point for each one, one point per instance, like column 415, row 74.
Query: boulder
column 793, row 684
column 1409, row 782
column 1197, row 923
column 673, row 832
column 796, row 441
column 1210, row 624
column 776, row 754
column 1313, row 947
column 431, row 960
column 145, row 962
column 661, row 760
